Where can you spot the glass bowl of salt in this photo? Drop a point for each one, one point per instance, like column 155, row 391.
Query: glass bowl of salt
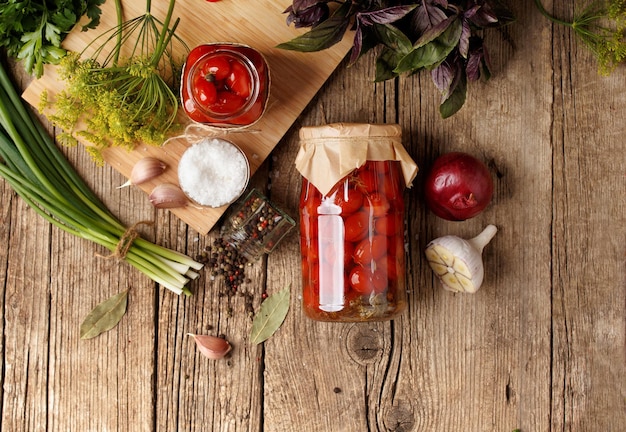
column 213, row 172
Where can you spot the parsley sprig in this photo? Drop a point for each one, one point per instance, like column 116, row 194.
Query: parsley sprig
column 33, row 30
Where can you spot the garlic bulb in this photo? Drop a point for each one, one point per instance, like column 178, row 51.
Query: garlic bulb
column 167, row 195
column 457, row 262
column 145, row 169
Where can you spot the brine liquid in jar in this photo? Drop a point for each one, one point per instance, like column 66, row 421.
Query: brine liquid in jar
column 352, row 244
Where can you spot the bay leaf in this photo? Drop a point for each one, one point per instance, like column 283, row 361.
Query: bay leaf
column 270, row 316
column 104, row 316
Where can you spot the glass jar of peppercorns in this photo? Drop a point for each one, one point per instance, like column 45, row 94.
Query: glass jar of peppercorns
column 352, row 221
column 255, row 226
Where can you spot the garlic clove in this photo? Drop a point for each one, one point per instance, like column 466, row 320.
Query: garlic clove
column 145, row 169
column 457, row 262
column 167, row 195
column 212, row 347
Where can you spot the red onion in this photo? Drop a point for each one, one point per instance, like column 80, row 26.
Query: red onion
column 458, row 187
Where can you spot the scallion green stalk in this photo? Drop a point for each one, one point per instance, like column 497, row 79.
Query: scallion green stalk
column 32, row 164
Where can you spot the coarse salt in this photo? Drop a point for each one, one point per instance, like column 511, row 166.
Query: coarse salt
column 213, row 172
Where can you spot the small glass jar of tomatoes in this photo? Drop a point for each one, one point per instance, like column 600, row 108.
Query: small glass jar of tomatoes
column 225, row 85
column 352, row 221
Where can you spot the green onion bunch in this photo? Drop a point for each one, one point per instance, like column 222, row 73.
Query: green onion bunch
column 35, row 168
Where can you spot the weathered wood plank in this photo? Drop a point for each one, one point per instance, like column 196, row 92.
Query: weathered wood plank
column 588, row 319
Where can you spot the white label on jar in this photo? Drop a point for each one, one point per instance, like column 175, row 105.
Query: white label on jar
column 331, row 262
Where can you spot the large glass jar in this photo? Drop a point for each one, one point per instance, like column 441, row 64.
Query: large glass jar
column 352, row 239
column 225, row 85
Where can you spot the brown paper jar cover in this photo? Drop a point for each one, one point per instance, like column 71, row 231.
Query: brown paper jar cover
column 330, row 152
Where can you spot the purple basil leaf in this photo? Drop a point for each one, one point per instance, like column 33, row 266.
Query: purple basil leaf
column 427, row 16
column 309, row 17
column 364, row 40
column 300, row 5
column 484, row 17
column 443, row 76
column 466, row 32
column 471, row 11
column 477, row 62
column 473, row 65
column 384, row 16
column 442, row 3
column 357, row 45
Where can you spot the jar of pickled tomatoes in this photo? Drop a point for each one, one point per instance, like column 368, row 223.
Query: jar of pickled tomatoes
column 352, row 221
column 225, row 85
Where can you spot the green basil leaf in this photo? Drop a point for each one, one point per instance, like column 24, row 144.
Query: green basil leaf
column 434, row 52
column 104, row 316
column 386, row 63
column 393, row 38
column 322, row 36
column 270, row 316
column 456, row 99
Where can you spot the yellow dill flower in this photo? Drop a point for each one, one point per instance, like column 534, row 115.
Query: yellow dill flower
column 601, row 26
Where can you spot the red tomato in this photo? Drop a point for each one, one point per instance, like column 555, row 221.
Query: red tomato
column 204, row 91
column 227, row 103
column 377, row 204
column 364, row 281
column 393, row 183
column 388, row 224
column 388, row 265
column 238, row 80
column 360, row 280
column 348, row 251
column 217, row 66
column 365, row 180
column 379, row 281
column 349, row 200
column 370, row 249
column 357, row 225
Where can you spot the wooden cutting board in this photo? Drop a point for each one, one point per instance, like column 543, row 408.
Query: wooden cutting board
column 295, row 79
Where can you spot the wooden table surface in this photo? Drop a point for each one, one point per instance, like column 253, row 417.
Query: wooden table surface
column 541, row 347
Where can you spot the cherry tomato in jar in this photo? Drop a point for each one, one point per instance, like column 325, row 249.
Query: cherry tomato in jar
column 364, row 281
column 388, row 224
column 366, row 180
column 357, row 226
column 377, row 204
column 216, row 68
column 227, row 102
column 239, row 80
column 205, row 91
column 370, row 249
column 388, row 265
column 349, row 199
